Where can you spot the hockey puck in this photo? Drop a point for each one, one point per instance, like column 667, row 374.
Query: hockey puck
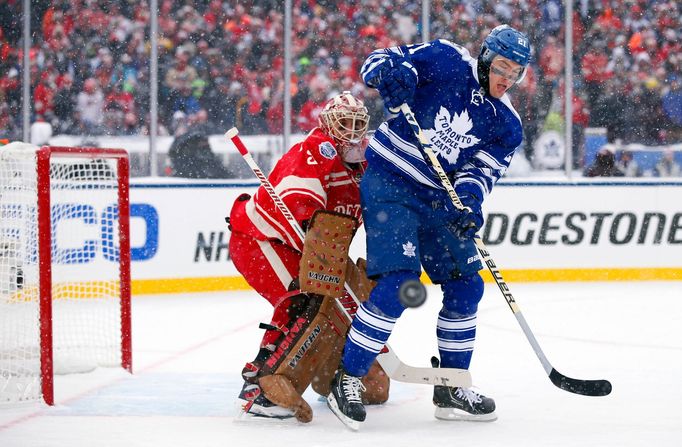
column 412, row 293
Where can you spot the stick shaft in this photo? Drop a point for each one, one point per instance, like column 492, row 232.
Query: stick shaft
column 485, row 254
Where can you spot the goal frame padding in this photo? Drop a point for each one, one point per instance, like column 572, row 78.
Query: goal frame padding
column 43, row 158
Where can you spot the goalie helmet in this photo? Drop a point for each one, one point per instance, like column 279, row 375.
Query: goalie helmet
column 345, row 119
column 507, row 42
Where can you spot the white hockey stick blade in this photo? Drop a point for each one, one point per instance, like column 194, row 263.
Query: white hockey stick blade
column 401, row 372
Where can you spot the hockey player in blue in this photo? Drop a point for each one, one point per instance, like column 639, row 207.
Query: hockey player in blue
column 461, row 104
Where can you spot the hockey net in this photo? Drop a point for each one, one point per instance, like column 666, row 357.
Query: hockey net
column 64, row 266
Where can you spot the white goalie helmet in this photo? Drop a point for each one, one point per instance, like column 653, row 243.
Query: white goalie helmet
column 346, row 120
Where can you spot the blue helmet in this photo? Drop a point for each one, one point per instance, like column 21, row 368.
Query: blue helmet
column 507, row 42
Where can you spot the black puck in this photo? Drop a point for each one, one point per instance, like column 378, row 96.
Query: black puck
column 412, row 293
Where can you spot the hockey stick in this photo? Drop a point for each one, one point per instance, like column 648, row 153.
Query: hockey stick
column 578, row 386
column 388, row 359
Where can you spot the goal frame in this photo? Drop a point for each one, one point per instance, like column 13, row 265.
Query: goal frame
column 44, row 155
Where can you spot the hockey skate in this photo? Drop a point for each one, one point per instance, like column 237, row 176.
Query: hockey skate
column 345, row 399
column 462, row 404
column 254, row 404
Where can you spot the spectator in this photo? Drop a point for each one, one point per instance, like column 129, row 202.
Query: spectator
column 191, row 157
column 307, row 119
column 178, row 80
column 628, row 165
column 64, row 103
column 672, row 105
column 131, row 125
column 43, row 96
column 8, row 127
column 593, row 65
column 604, row 164
column 90, row 104
column 581, row 119
column 667, row 166
column 634, row 42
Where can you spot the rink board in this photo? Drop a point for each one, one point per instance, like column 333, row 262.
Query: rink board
column 535, row 231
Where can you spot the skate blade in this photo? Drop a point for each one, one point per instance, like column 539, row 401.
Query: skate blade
column 348, row 422
column 453, row 414
column 274, row 414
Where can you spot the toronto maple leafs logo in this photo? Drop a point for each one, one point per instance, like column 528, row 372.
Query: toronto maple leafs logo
column 451, row 134
column 409, row 250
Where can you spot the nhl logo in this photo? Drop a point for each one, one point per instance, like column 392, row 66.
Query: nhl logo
column 327, row 150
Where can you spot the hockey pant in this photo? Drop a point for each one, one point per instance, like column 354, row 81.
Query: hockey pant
column 269, row 268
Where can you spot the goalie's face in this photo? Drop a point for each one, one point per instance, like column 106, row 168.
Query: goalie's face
column 346, row 120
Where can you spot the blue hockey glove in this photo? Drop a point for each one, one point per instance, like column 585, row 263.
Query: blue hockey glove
column 470, row 219
column 396, row 82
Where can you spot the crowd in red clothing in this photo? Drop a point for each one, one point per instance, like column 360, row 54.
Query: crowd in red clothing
column 90, row 61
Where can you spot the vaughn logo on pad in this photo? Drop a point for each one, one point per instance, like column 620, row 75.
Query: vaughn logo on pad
column 324, row 277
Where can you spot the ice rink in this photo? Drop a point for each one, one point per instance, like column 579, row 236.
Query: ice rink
column 189, row 351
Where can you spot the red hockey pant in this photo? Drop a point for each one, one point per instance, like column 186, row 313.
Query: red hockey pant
column 269, row 267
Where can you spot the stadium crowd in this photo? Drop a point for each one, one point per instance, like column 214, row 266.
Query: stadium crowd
column 220, row 62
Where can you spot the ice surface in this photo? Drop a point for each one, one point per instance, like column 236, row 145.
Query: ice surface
column 189, row 351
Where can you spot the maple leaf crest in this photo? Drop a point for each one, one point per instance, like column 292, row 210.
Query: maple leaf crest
column 409, row 250
column 451, row 134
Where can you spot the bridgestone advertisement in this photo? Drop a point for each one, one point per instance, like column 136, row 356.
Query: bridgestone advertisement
column 534, row 232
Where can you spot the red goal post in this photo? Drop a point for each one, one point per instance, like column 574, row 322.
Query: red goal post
column 64, row 265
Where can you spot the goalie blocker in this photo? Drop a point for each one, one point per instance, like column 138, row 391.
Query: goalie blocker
column 310, row 348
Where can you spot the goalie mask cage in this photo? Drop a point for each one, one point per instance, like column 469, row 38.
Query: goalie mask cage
column 64, row 266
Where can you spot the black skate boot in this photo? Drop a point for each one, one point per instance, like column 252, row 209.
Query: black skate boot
column 461, row 404
column 345, row 399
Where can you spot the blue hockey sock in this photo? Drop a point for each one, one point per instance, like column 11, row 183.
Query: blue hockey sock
column 456, row 327
column 366, row 338
column 456, row 335
column 374, row 322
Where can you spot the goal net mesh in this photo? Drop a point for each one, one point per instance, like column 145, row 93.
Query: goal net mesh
column 83, row 225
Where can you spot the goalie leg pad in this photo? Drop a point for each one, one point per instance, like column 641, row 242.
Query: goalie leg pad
column 279, row 390
column 308, row 344
column 376, row 384
column 356, row 277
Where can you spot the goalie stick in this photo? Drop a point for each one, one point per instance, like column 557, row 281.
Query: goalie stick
column 578, row 386
column 388, row 359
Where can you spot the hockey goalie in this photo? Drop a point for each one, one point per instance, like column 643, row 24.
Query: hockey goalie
column 318, row 181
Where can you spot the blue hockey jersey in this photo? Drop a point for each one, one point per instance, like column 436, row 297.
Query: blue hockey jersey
column 473, row 134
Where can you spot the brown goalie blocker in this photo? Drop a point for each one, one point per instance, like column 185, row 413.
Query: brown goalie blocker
column 311, row 347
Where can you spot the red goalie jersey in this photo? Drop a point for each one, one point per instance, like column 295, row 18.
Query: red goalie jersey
column 322, row 172
column 309, row 177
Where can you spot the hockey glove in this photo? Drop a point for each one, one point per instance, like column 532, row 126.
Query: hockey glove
column 470, row 219
column 396, row 82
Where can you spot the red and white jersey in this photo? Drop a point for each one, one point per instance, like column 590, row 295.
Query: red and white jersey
column 310, row 176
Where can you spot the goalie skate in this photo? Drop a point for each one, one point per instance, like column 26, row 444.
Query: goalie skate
column 252, row 403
